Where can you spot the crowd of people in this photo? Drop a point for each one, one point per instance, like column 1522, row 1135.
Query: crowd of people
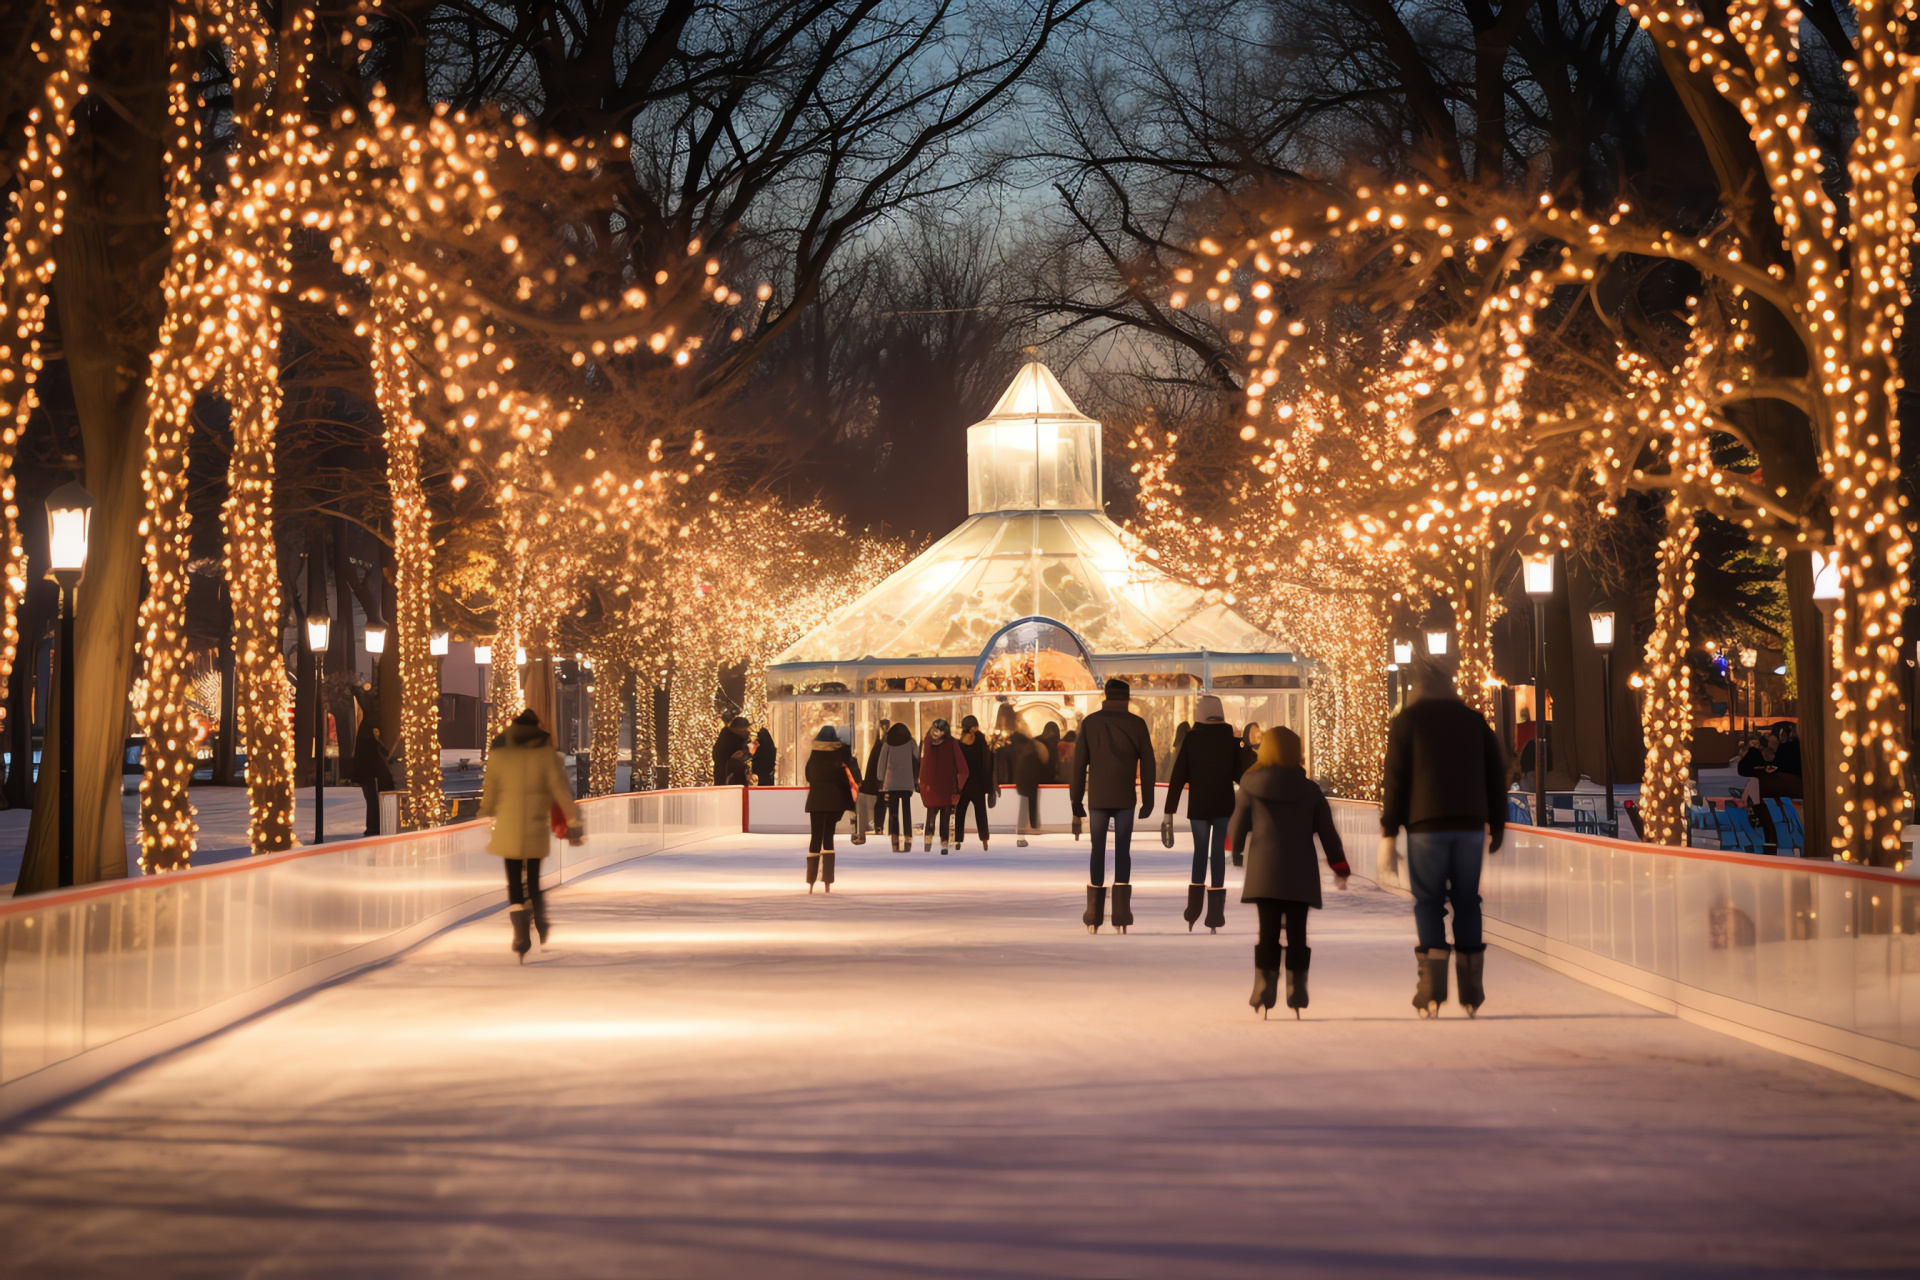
column 1248, row 795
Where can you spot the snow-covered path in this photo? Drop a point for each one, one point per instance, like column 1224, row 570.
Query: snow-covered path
column 936, row 1072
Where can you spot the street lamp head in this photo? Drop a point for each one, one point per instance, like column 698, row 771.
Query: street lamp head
column 376, row 637
column 69, row 513
column 483, row 654
column 1826, row 578
column 319, row 626
column 1403, row 653
column 438, row 645
column 1437, row 643
column 1602, row 622
column 1749, row 658
column 520, row 657
column 1536, row 574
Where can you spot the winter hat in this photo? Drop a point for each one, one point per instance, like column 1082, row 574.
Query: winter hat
column 1209, row 711
column 1118, row 691
column 826, row 734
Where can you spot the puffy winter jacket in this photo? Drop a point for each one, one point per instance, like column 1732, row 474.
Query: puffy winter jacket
column 1208, row 763
column 943, row 771
column 524, row 781
column 1445, row 771
column 1279, row 812
column 829, row 787
column 899, row 763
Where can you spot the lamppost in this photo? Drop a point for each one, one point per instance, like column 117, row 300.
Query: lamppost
column 1402, row 665
column 69, row 513
column 1750, row 658
column 318, row 628
column 1827, row 589
column 1537, row 578
column 1602, row 621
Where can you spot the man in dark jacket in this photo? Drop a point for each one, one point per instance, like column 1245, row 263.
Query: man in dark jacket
column 1113, row 749
column 370, row 768
column 1445, row 783
column 732, row 738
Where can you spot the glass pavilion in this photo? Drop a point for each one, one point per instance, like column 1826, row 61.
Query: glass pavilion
column 1025, row 610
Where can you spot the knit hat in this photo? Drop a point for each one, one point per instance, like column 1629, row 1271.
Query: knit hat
column 826, row 734
column 1209, row 711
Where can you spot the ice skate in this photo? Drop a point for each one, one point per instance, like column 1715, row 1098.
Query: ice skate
column 1430, row 989
column 983, row 846
column 540, row 924
column 826, row 871
column 1196, row 895
column 1470, row 966
column 926, row 844
column 1266, row 983
column 522, row 942
column 813, row 870
column 1096, row 907
column 943, row 850
column 1020, row 842
column 1122, row 906
column 1216, row 909
column 1298, row 958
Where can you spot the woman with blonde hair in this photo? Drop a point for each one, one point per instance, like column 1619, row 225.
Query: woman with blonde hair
column 1275, row 818
column 525, row 785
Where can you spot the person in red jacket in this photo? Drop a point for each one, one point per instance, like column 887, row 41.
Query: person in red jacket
column 943, row 772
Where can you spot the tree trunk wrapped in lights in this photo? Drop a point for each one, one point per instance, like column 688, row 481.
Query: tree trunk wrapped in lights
column 609, row 690
column 503, row 684
column 413, row 560
column 1668, row 713
column 26, row 271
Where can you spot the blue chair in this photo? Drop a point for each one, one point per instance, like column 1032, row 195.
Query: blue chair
column 1586, row 822
column 1786, row 822
column 1737, row 831
column 1519, row 811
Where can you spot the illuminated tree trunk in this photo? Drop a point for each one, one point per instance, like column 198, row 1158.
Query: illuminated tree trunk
column 503, row 684
column 609, row 691
column 1668, row 712
column 253, row 583
column 413, row 562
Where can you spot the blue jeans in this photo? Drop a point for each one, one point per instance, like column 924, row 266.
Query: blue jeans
column 1122, row 820
column 1209, row 843
column 1444, row 867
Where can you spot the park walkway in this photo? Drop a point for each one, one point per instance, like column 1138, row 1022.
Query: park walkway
column 936, row 1072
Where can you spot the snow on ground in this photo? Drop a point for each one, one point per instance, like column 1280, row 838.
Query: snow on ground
column 936, row 1072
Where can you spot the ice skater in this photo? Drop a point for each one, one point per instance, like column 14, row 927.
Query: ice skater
column 525, row 782
column 1445, row 783
column 982, row 788
column 832, row 778
column 1278, row 813
column 943, row 776
column 1114, row 750
column 1207, row 762
column 897, row 765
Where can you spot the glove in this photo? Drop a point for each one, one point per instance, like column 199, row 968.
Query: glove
column 1146, row 809
column 576, row 835
column 993, row 799
column 1389, row 855
column 1494, row 837
column 1239, row 859
column 1340, row 872
column 1079, row 810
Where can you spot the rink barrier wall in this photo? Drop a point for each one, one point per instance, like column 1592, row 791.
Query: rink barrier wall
column 1818, row 960
column 99, row 978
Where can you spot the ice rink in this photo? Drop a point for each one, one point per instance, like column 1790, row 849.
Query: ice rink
column 936, row 1072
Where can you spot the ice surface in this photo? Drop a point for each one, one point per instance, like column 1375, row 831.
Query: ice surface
column 936, row 1072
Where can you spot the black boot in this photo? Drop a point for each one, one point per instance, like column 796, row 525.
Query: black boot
column 1266, row 980
column 1471, row 965
column 826, row 869
column 1430, row 987
column 1196, row 893
column 1216, row 909
column 1096, row 907
column 540, row 919
column 1122, row 906
column 522, row 942
column 1298, row 958
column 813, row 870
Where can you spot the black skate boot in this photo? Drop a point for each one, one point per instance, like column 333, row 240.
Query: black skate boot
column 813, row 870
column 1122, row 906
column 1266, row 989
column 1430, row 987
column 826, row 870
column 540, row 921
column 1470, row 965
column 1216, row 909
column 1096, row 907
column 522, row 942
column 1298, row 958
column 1196, row 894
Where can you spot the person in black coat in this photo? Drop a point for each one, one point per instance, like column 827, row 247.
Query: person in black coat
column 1279, row 812
column 1207, row 763
column 832, row 777
column 1446, row 784
column 765, row 757
column 370, row 768
column 1114, row 749
column 981, row 789
column 731, row 739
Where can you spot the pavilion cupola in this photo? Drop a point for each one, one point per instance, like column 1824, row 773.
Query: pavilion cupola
column 1034, row 452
